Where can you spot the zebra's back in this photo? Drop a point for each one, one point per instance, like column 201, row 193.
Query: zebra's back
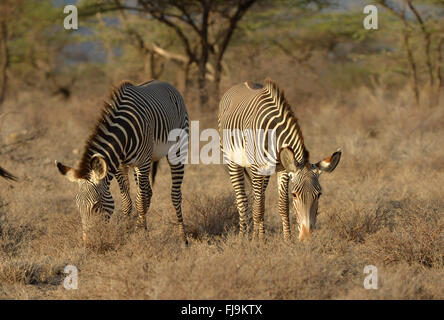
column 162, row 107
column 239, row 100
column 164, row 103
column 255, row 123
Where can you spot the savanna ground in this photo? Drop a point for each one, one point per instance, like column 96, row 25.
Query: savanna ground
column 382, row 206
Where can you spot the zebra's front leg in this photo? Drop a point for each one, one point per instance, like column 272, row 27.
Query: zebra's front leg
column 259, row 184
column 177, row 173
column 144, row 193
column 283, row 205
column 122, row 179
column 237, row 180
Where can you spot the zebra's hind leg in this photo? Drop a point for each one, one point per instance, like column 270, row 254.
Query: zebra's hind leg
column 122, row 179
column 144, row 193
column 237, row 180
column 177, row 173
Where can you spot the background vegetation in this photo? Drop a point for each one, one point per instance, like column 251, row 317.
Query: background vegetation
column 375, row 93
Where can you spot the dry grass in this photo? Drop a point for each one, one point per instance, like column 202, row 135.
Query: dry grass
column 212, row 216
column 382, row 206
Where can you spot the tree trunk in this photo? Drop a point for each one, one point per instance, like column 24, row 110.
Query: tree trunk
column 202, row 81
column 217, row 79
column 410, row 58
column 428, row 42
column 148, row 65
column 412, row 66
column 4, row 63
column 185, row 80
column 234, row 20
column 439, row 75
column 156, row 67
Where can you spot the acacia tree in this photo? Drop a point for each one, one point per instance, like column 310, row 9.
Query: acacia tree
column 8, row 9
column 31, row 39
column 204, row 28
column 4, row 58
column 432, row 35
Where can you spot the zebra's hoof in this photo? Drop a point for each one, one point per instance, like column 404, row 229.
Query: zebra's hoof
column 141, row 227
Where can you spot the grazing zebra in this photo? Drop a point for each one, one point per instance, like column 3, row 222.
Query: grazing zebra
column 258, row 130
column 5, row 174
column 132, row 132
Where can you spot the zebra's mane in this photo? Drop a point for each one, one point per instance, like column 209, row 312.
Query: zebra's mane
column 275, row 91
column 84, row 168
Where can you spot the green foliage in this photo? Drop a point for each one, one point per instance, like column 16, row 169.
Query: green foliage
column 35, row 38
column 319, row 33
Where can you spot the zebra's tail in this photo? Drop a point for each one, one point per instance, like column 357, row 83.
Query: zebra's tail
column 5, row 174
column 154, row 172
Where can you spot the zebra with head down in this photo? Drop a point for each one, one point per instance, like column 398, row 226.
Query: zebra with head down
column 258, row 130
column 131, row 133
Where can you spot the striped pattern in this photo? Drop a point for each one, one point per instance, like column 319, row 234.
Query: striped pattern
column 132, row 133
column 259, row 111
column 259, row 131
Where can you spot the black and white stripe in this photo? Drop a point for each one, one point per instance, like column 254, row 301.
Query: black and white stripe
column 132, row 133
column 258, row 130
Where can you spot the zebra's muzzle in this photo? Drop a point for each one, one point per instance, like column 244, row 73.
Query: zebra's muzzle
column 304, row 233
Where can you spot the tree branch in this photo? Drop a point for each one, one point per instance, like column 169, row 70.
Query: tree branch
column 161, row 16
column 427, row 38
column 241, row 10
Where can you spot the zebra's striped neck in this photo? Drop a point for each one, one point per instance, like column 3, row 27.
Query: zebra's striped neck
column 103, row 141
column 283, row 120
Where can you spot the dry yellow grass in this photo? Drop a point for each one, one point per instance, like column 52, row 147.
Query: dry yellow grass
column 382, row 206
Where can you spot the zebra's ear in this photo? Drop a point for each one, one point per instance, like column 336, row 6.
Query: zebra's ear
column 287, row 160
column 330, row 163
column 66, row 171
column 99, row 168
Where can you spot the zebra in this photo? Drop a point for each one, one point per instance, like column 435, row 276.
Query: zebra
column 132, row 132
column 5, row 174
column 259, row 131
